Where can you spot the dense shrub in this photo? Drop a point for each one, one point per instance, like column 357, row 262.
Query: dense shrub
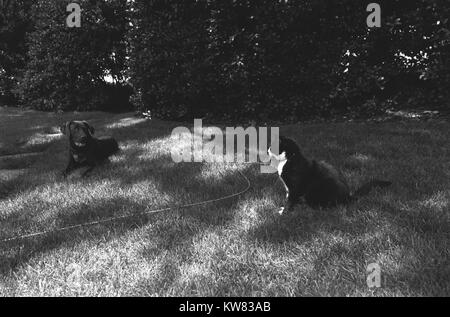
column 15, row 22
column 287, row 59
column 169, row 66
column 67, row 67
column 228, row 59
column 404, row 64
column 114, row 97
column 235, row 58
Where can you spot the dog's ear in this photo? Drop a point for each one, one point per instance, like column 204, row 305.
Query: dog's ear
column 64, row 128
column 89, row 127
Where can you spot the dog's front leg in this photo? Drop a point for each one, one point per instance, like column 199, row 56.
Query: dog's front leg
column 291, row 200
column 288, row 206
column 283, row 209
column 89, row 170
column 70, row 167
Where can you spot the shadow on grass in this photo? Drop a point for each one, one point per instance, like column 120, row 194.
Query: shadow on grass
column 18, row 252
column 189, row 183
column 42, row 173
column 408, row 237
column 425, row 265
column 132, row 167
column 49, row 164
column 158, row 171
column 299, row 225
column 25, row 131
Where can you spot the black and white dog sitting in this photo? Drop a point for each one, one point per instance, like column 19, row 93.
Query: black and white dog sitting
column 320, row 184
column 84, row 149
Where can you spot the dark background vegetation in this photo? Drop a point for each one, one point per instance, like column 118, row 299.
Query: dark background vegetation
column 264, row 59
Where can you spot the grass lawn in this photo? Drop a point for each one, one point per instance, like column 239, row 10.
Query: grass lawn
column 237, row 247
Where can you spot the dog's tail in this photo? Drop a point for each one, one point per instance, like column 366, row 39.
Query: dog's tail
column 366, row 188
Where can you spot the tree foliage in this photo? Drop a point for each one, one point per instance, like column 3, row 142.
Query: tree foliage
column 287, row 59
column 15, row 22
column 403, row 64
column 67, row 67
column 228, row 59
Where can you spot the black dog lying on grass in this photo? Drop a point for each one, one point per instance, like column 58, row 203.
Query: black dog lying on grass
column 85, row 150
column 318, row 182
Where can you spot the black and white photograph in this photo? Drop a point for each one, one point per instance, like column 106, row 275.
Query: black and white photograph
column 224, row 154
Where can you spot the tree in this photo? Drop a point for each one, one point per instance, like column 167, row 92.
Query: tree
column 287, row 59
column 169, row 67
column 67, row 67
column 14, row 24
column 403, row 64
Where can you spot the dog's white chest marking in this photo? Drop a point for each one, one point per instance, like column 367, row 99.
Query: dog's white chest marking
column 281, row 166
column 280, row 171
column 77, row 158
column 282, row 160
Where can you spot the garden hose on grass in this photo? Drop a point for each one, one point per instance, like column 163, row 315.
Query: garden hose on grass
column 112, row 219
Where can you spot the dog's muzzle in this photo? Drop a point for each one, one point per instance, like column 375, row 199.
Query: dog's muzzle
column 81, row 143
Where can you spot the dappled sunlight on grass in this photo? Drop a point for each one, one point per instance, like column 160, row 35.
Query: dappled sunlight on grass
column 125, row 122
column 359, row 160
column 254, row 212
column 438, row 202
column 41, row 138
column 235, row 247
